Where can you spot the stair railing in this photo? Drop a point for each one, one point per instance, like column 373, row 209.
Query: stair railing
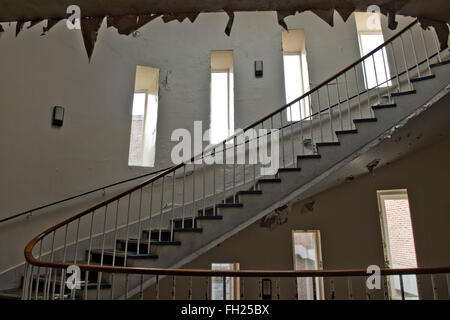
column 174, row 200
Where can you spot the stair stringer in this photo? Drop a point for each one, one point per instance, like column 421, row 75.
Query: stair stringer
column 294, row 184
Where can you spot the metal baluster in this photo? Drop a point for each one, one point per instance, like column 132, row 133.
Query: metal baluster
column 142, row 288
column 292, row 135
column 302, row 137
column 157, row 287
column 260, row 289
column 207, row 288
column 114, row 248
column 214, row 184
column 204, row 186
column 386, row 74
column 149, row 237
column 25, row 283
column 296, row 288
column 312, row 119
column 330, row 113
column 190, row 289
column 173, row 206
column 414, row 52
column 433, row 285
column 173, row 287
column 193, row 195
column 426, row 49
column 314, row 288
column 162, row 207
column 339, row 104
column 183, row 200
column 72, row 292
column 282, row 139
column 51, row 269
column 332, row 290
column 402, row 288
column 404, row 61
column 38, row 273
column 29, row 288
column 348, row 100
column 385, row 288
column 234, row 168
column 254, row 165
column 367, row 89
column 100, row 274
column 349, row 288
column 277, row 282
column 86, row 279
column 224, row 173
column 242, row 289
column 436, row 41
column 357, row 92
column 139, row 222
column 63, row 278
column 320, row 115
column 376, row 77
column 395, row 66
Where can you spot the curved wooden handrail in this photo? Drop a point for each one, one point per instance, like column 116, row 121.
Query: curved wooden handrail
column 245, row 273
column 28, row 251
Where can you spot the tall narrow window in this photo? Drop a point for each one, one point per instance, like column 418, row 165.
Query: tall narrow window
column 225, row 288
column 222, row 96
column 370, row 36
column 144, row 118
column 398, row 240
column 307, row 256
column 296, row 77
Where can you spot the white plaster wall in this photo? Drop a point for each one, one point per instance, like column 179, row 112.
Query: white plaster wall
column 40, row 164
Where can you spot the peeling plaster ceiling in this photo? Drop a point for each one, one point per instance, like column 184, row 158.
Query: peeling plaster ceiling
column 128, row 16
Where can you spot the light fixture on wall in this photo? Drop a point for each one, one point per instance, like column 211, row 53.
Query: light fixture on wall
column 58, row 116
column 258, row 68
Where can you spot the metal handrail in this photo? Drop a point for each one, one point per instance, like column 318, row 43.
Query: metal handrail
column 79, row 195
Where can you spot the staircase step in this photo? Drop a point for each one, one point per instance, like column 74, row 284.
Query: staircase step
column 166, row 235
column 440, row 63
column 119, row 258
column 354, row 131
column 289, row 169
column 364, row 120
column 404, row 93
column 309, row 156
column 384, row 106
column 230, row 205
column 431, row 76
column 327, row 144
column 189, row 223
column 209, row 218
column 250, row 191
column 187, row 230
column 269, row 180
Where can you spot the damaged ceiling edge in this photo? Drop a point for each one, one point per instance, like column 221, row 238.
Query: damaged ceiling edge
column 127, row 24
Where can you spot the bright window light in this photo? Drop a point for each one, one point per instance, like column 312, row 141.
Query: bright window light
column 221, row 120
column 376, row 67
column 137, row 129
column 296, row 81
